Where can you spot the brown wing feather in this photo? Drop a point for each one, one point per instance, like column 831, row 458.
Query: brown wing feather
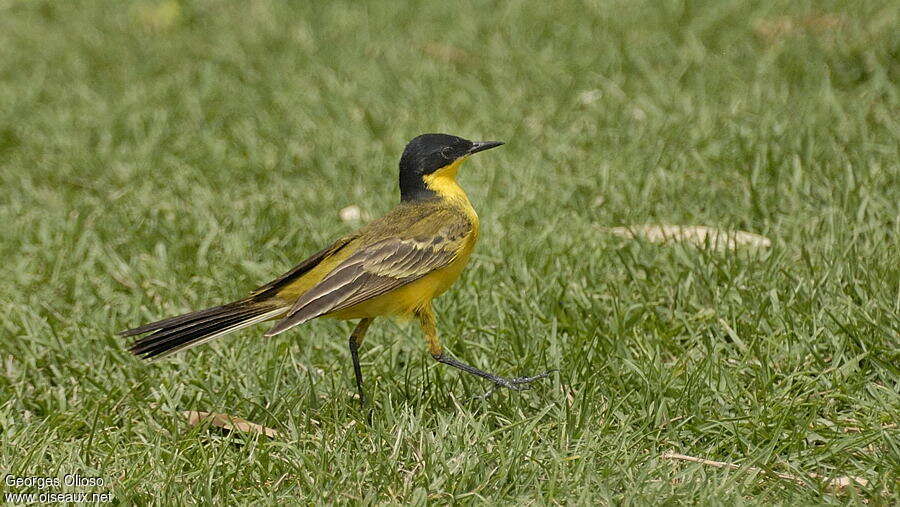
column 379, row 268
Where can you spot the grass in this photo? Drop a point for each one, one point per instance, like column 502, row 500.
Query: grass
column 162, row 156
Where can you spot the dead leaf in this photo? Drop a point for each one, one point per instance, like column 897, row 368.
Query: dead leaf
column 824, row 22
column 228, row 422
column 838, row 483
column 774, row 29
column 694, row 234
column 445, row 52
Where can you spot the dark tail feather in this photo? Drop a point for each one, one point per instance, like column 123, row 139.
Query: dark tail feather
column 192, row 329
column 173, row 321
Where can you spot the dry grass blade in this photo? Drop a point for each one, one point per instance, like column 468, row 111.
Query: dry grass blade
column 694, row 234
column 777, row 29
column 228, row 422
column 838, row 483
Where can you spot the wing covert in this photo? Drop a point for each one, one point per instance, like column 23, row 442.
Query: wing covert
column 384, row 265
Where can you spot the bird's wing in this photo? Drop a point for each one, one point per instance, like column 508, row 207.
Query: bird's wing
column 427, row 245
column 300, row 269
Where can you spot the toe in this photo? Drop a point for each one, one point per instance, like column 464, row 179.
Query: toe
column 525, row 380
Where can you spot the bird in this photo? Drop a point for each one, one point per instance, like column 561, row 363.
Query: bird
column 392, row 267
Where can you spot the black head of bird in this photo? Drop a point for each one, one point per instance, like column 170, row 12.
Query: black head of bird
column 429, row 154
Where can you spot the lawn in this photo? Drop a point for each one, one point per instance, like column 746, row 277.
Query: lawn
column 163, row 156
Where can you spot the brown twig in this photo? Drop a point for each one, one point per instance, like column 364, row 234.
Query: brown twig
column 835, row 482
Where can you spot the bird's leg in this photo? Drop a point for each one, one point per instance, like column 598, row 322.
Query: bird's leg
column 356, row 339
column 426, row 319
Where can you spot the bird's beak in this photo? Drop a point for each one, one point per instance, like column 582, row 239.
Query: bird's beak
column 486, row 145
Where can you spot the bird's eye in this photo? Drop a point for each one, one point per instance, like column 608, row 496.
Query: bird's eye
column 446, row 152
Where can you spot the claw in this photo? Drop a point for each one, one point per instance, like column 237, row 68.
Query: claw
column 526, row 380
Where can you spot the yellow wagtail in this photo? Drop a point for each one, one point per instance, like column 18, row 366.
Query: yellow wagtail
column 393, row 266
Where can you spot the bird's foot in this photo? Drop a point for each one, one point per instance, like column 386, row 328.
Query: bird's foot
column 514, row 384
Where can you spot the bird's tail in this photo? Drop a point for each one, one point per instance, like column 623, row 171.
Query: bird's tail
column 191, row 329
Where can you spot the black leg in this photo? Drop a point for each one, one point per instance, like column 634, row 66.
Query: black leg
column 356, row 339
column 426, row 319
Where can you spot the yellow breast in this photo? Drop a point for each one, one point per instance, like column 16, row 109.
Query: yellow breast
column 443, row 183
